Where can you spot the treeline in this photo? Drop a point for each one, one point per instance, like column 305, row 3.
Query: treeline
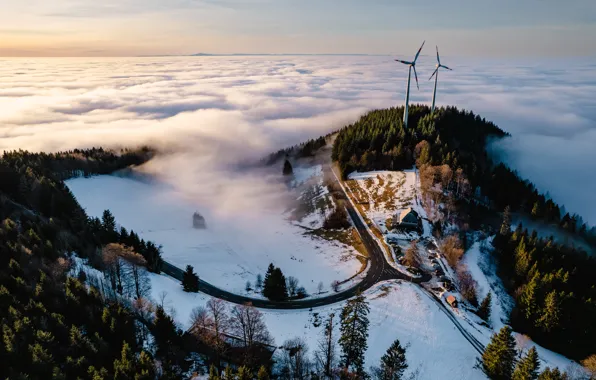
column 506, row 189
column 55, row 323
column 305, row 149
column 554, row 288
column 378, row 140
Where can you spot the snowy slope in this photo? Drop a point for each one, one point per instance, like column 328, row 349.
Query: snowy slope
column 232, row 250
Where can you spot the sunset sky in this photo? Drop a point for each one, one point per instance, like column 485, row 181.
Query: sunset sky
column 152, row 27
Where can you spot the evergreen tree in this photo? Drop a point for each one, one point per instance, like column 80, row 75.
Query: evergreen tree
column 287, row 168
column 263, row 374
column 527, row 368
column 484, row 308
column 551, row 313
column 274, row 286
column 529, row 298
column 354, row 334
column 124, row 367
column 213, row 373
column 190, row 281
column 506, row 224
column 108, row 223
column 228, row 373
column 145, row 367
column 393, row 363
column 552, row 374
column 498, row 359
column 243, row 373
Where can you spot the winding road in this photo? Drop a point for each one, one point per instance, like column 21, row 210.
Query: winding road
column 379, row 270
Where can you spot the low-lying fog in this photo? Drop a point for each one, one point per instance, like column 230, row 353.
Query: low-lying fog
column 216, row 111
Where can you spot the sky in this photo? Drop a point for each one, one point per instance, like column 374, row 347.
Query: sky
column 485, row 28
column 216, row 112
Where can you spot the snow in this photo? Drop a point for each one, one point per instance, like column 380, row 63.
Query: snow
column 398, row 310
column 233, row 249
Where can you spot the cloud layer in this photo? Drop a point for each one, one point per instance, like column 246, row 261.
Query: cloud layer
column 227, row 109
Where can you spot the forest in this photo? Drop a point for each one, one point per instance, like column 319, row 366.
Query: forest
column 554, row 285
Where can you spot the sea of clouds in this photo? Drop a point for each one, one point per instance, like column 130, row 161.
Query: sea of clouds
column 213, row 112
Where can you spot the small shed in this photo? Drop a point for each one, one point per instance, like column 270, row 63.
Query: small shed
column 452, row 301
column 198, row 221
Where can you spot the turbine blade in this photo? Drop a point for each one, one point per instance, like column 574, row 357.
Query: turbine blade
column 445, row 67
column 416, row 76
column 404, row 62
column 419, row 50
column 438, row 59
column 434, row 72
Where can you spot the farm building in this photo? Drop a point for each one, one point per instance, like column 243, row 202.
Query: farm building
column 198, row 221
column 406, row 218
column 452, row 301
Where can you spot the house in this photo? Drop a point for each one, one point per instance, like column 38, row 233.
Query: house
column 452, row 301
column 406, row 218
column 198, row 221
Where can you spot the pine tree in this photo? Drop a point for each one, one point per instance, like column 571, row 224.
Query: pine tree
column 527, row 368
column 552, row 374
column 123, row 367
column 213, row 373
column 506, row 224
column 393, row 363
column 263, row 374
column 108, row 223
column 484, row 308
column 498, row 359
column 243, row 373
column 145, row 367
column 551, row 312
column 228, row 373
column 528, row 300
column 287, row 168
column 274, row 286
column 354, row 334
column 190, row 281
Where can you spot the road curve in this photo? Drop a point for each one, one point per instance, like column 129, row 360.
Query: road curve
column 378, row 271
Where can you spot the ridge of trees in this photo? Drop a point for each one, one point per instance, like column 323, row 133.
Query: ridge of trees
column 554, row 288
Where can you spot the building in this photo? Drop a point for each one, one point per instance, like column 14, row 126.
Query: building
column 452, row 301
column 198, row 221
column 406, row 218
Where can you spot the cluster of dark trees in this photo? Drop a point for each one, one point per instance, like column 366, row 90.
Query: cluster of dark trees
column 305, row 149
column 378, row 140
column 56, row 325
column 501, row 361
column 554, row 287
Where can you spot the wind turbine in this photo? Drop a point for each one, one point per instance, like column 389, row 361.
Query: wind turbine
column 436, row 75
column 412, row 65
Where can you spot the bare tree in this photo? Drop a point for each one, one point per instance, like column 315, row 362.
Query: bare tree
column 320, row 287
column 467, row 285
column 325, row 356
column 143, row 310
column 259, row 282
column 452, row 249
column 335, row 285
column 137, row 282
column 294, row 359
column 292, row 285
column 248, row 324
column 161, row 299
column 412, row 256
column 211, row 324
column 113, row 266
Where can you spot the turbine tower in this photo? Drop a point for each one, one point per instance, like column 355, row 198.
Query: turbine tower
column 436, row 75
column 412, row 65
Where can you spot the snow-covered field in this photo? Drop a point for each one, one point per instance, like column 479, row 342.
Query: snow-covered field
column 233, row 249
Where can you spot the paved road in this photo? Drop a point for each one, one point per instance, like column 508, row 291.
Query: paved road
column 379, row 270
